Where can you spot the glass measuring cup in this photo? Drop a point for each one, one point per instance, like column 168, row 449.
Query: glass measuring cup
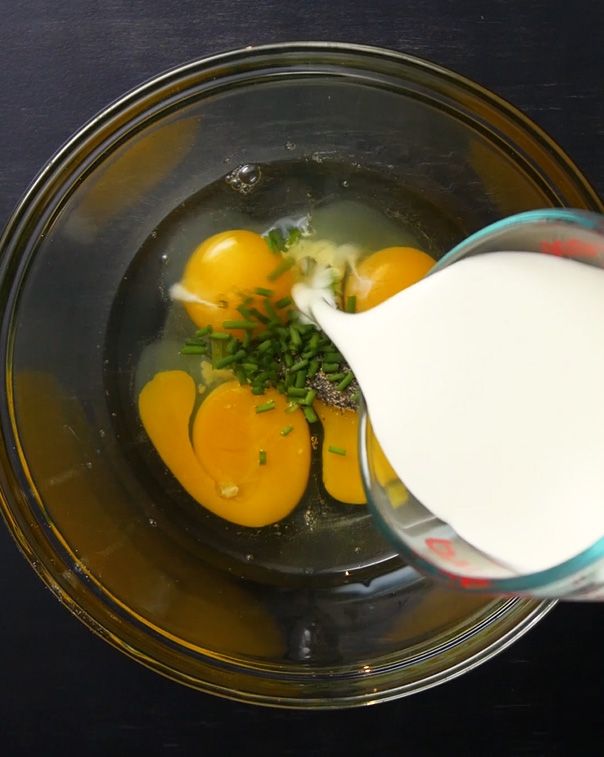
column 432, row 545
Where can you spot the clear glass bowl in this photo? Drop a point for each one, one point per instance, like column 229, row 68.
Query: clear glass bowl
column 320, row 612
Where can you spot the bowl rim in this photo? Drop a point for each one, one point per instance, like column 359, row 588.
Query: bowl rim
column 46, row 183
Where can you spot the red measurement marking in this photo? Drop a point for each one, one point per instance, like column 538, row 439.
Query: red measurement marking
column 474, row 583
column 569, row 248
column 444, row 548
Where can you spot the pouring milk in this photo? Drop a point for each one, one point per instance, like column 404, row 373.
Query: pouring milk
column 485, row 387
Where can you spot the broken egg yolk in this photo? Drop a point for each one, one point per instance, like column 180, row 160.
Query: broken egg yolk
column 340, row 454
column 225, row 269
column 385, row 273
column 240, row 463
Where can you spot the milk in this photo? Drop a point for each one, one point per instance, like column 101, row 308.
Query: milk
column 485, row 387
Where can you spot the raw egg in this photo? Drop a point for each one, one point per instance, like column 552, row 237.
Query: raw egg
column 340, row 454
column 226, row 268
column 248, row 467
column 384, row 273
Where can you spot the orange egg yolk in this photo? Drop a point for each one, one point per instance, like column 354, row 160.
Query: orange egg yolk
column 384, row 273
column 341, row 472
column 226, row 268
column 240, row 464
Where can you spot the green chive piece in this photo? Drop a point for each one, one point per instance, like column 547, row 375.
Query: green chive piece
column 300, row 379
column 288, row 359
column 262, row 457
column 330, row 367
column 295, row 337
column 335, row 376
column 293, row 236
column 232, row 346
column 336, row 450
column 264, row 292
column 238, row 324
column 299, row 365
column 268, row 306
column 345, row 382
column 313, row 367
column 295, row 391
column 275, row 240
column 283, row 266
column 286, row 430
column 284, row 302
column 313, row 342
column 245, row 311
column 229, row 359
column 265, row 345
column 332, row 357
column 292, row 407
column 265, row 406
column 351, row 303
column 192, row 349
column 256, row 389
column 309, row 398
column 204, row 331
column 250, row 367
column 219, row 336
column 258, row 315
column 310, row 414
column 247, row 339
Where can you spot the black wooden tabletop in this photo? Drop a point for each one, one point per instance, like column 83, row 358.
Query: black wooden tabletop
column 61, row 687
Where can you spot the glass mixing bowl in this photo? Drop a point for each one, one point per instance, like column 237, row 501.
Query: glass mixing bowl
column 320, row 611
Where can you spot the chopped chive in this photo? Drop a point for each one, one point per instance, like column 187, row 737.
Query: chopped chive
column 245, row 311
column 330, row 367
column 275, row 240
column 300, row 379
column 310, row 414
column 313, row 367
column 335, row 376
column 268, row 306
column 284, row 302
column 292, row 407
column 351, row 303
column 264, row 292
column 262, row 457
column 299, row 365
column 332, row 357
column 258, row 315
column 247, row 338
column 309, row 398
column 232, row 346
column 265, row 345
column 191, row 349
column 265, row 406
column 293, row 236
column 204, row 331
column 345, row 382
column 283, row 266
column 219, row 336
column 286, row 430
column 336, row 450
column 257, row 389
column 194, row 341
column 229, row 359
column 313, row 342
column 295, row 391
column 355, row 397
column 288, row 359
column 295, row 337
column 250, row 367
column 238, row 325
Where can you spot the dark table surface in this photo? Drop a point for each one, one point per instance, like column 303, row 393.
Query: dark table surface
column 60, row 686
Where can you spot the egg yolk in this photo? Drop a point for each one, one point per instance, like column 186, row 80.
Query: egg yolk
column 224, row 269
column 384, row 273
column 341, row 472
column 240, row 465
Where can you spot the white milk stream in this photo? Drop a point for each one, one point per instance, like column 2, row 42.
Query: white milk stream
column 485, row 387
